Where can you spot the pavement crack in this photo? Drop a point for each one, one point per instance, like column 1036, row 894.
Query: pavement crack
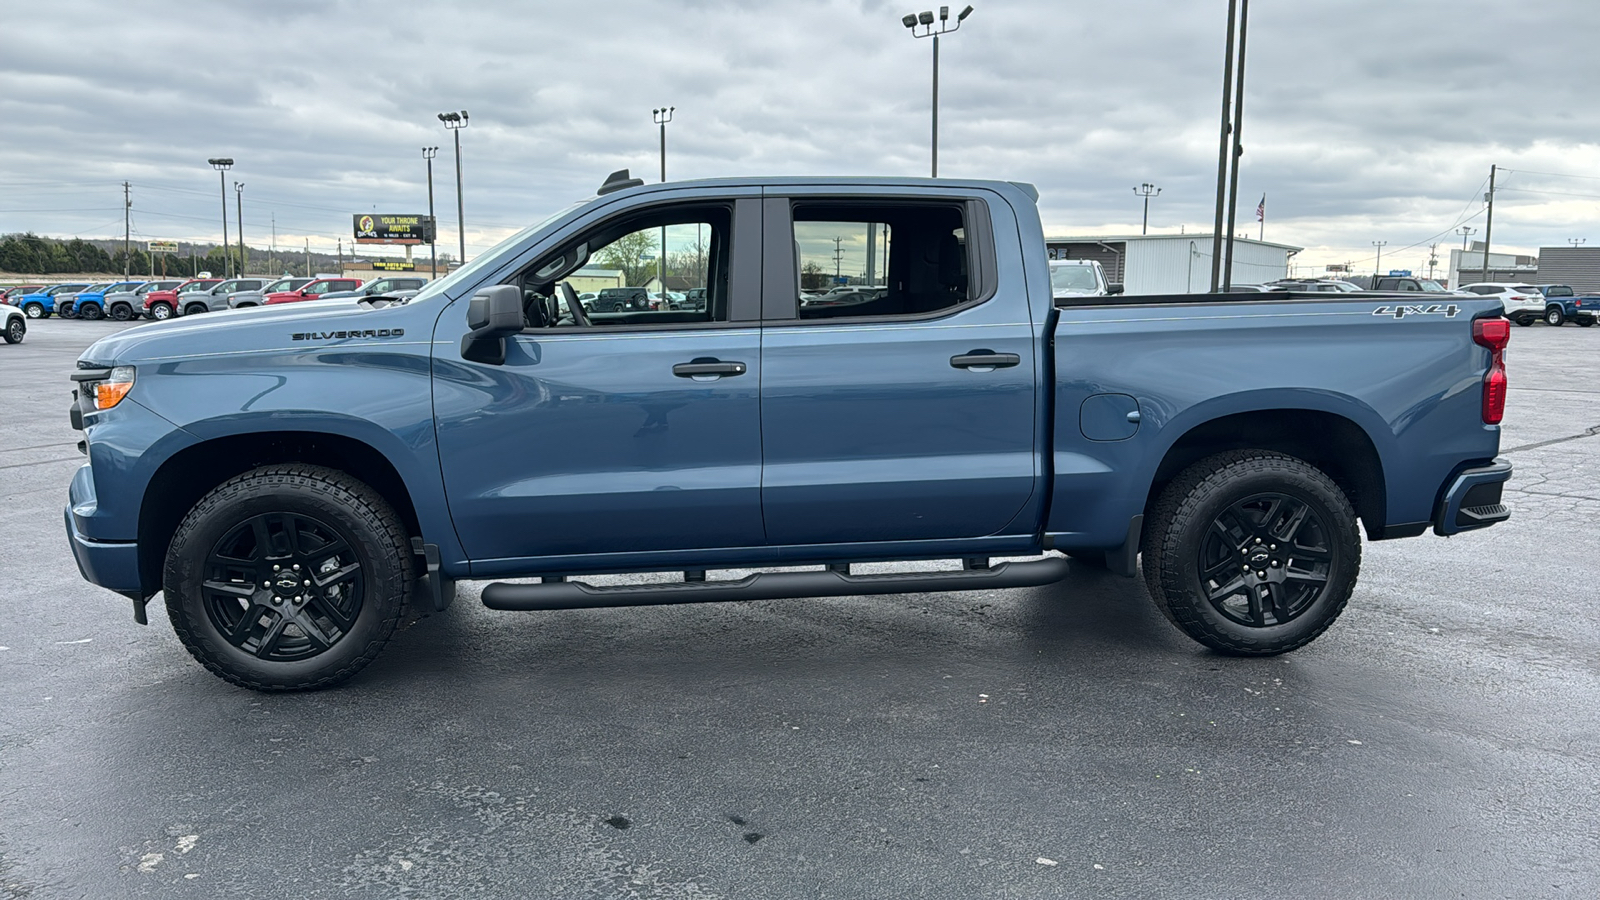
column 1588, row 432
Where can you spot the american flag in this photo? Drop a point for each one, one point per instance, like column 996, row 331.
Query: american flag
column 1261, row 209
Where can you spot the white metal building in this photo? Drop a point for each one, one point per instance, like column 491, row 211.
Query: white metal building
column 1172, row 263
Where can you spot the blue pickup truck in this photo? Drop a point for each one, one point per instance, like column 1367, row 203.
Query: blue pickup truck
column 292, row 477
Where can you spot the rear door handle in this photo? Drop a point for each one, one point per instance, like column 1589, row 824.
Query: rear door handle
column 985, row 359
column 708, row 366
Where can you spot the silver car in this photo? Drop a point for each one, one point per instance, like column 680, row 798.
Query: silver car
column 402, row 287
column 125, row 305
column 217, row 298
column 243, row 299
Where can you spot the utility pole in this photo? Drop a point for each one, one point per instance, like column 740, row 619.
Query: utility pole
column 272, row 252
column 1433, row 259
column 1238, row 149
column 838, row 258
column 1377, row 267
column 308, row 257
column 428, row 153
column 661, row 117
column 1488, row 226
column 341, row 256
column 222, row 165
column 238, row 191
column 1146, row 191
column 127, row 228
column 1222, row 150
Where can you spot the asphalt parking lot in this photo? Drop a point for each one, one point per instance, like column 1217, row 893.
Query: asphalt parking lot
column 1441, row 740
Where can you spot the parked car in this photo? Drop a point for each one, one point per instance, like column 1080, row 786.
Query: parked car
column 13, row 323
column 1316, row 285
column 17, row 291
column 312, row 290
column 125, row 305
column 247, row 299
column 1408, row 284
column 587, row 298
column 90, row 303
column 1524, row 303
column 41, row 304
column 164, row 304
column 292, row 483
column 694, row 299
column 399, row 287
column 1080, row 278
column 622, row 299
column 215, row 298
column 1562, row 304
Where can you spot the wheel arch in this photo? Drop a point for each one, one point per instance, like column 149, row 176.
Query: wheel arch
column 190, row 473
column 1332, row 442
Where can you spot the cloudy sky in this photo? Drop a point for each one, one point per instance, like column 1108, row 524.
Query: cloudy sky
column 1366, row 120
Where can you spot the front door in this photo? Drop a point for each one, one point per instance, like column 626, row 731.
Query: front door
column 625, row 433
column 900, row 404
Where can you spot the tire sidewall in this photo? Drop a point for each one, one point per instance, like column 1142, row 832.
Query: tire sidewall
column 156, row 311
column 1215, row 495
column 33, row 311
column 16, row 329
column 384, row 580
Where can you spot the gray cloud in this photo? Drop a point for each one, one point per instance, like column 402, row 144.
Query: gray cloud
column 1366, row 120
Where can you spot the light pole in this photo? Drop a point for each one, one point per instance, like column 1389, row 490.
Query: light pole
column 925, row 20
column 238, row 192
column 1228, row 155
column 455, row 121
column 1577, row 242
column 428, row 153
column 1147, row 191
column 1377, row 267
column 661, row 117
column 222, row 165
column 1466, row 231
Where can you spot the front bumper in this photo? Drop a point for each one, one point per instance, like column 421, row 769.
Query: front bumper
column 1472, row 500
column 112, row 565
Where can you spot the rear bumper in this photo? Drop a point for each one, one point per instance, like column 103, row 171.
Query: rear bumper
column 112, row 565
column 1472, row 499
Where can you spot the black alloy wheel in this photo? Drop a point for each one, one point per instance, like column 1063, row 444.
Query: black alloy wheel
column 122, row 312
column 281, row 586
column 90, row 311
column 195, row 309
column 288, row 577
column 1252, row 552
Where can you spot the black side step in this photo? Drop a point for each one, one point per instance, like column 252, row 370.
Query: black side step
column 771, row 586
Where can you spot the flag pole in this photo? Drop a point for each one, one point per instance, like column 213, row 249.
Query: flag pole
column 1261, row 216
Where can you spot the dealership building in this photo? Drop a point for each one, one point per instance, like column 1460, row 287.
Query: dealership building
column 1172, row 263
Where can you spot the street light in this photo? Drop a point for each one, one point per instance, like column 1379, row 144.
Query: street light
column 1147, row 191
column 455, row 121
column 1577, row 242
column 238, row 191
column 428, row 153
column 924, row 20
column 222, row 165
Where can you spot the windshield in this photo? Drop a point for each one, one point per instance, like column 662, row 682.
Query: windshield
column 1431, row 287
column 1073, row 278
column 489, row 257
column 282, row 284
column 197, row 286
column 95, row 288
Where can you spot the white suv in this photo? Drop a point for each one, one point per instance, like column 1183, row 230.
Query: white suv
column 1524, row 302
column 1079, row 278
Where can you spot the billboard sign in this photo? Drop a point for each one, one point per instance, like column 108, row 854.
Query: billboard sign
column 161, row 246
column 376, row 228
column 393, row 265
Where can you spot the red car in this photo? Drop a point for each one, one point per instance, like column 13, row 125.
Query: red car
column 161, row 304
column 313, row 291
column 19, row 290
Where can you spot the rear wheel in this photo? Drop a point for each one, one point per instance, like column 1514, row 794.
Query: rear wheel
column 1524, row 321
column 161, row 310
column 1584, row 323
column 1252, row 553
column 1554, row 316
column 288, row 578
column 16, row 329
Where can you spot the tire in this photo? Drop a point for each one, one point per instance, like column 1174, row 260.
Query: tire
column 195, row 309
column 1524, row 321
column 1584, row 323
column 16, row 329
column 90, row 312
column 274, row 637
column 1235, row 508
column 122, row 312
column 34, row 311
column 161, row 311
column 1554, row 317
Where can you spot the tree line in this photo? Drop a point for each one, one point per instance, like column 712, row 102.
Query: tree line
column 29, row 254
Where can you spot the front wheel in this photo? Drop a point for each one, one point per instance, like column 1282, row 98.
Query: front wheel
column 288, row 578
column 1252, row 553
column 195, row 309
column 1554, row 316
column 90, row 311
column 16, row 329
column 34, row 310
column 122, row 312
column 1524, row 321
column 160, row 311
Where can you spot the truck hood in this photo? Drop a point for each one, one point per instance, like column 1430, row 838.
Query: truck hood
column 239, row 330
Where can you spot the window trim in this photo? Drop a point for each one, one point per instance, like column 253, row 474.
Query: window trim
column 781, row 267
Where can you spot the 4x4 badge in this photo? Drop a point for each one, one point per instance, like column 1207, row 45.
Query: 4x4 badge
column 1400, row 312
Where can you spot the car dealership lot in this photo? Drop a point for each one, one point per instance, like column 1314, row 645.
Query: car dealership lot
column 1440, row 740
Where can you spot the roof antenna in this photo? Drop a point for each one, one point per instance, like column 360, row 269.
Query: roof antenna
column 618, row 181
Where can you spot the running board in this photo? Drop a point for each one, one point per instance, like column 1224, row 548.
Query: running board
column 831, row 582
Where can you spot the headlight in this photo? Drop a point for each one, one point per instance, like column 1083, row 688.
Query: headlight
column 110, row 392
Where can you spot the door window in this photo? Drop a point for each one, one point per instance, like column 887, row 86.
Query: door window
column 681, row 251
column 875, row 261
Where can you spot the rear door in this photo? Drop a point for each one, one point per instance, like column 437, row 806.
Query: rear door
column 909, row 413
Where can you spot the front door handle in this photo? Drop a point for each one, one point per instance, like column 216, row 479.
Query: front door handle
column 708, row 366
column 985, row 359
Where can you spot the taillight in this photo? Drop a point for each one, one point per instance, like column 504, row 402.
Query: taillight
column 1493, row 334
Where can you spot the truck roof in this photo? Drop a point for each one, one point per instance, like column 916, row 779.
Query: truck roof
column 875, row 181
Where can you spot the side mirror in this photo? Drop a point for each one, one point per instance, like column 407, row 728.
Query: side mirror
column 493, row 314
column 1114, row 288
